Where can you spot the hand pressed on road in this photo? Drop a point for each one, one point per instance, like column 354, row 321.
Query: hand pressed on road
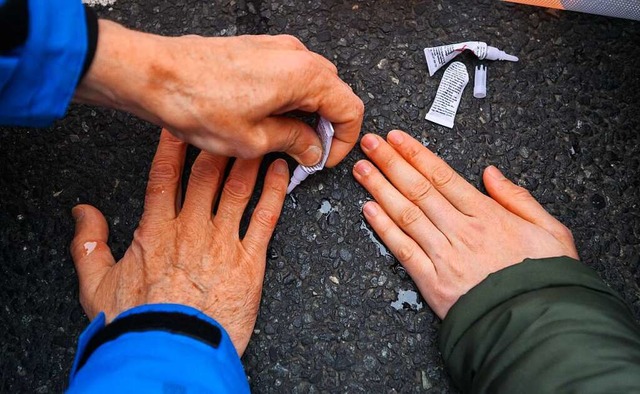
column 181, row 253
column 225, row 95
column 447, row 234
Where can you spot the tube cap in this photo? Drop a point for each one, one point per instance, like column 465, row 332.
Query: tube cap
column 480, row 82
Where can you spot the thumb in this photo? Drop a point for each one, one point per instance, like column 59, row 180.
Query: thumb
column 294, row 137
column 89, row 250
column 519, row 201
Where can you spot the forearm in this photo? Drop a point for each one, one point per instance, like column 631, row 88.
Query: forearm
column 120, row 76
column 561, row 329
column 156, row 348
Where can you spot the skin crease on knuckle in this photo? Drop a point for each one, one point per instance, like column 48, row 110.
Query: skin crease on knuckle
column 165, row 171
column 409, row 216
column 237, row 188
column 420, row 191
column 442, row 176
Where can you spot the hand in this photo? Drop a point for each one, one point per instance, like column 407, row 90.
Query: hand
column 184, row 254
column 447, row 234
column 225, row 95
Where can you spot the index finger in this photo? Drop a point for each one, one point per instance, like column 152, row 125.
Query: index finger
column 163, row 187
column 460, row 193
column 345, row 111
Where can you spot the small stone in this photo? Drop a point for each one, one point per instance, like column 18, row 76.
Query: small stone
column 334, row 280
column 345, row 255
column 382, row 65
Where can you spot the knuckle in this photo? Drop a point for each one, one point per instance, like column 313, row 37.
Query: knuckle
column 294, row 133
column 413, row 153
column 266, row 217
column 358, row 108
column 204, row 170
column 306, row 61
column 258, row 144
column 278, row 188
column 446, row 293
column 520, row 193
column 405, row 253
column 290, row 40
column 389, row 162
column 237, row 188
column 442, row 176
column 564, row 233
column 164, row 170
column 409, row 216
column 420, row 191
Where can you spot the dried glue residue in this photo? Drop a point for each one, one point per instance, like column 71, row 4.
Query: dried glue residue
column 381, row 249
column 89, row 247
column 325, row 207
column 407, row 299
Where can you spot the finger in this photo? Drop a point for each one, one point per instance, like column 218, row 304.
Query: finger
column 407, row 216
column 296, row 138
column 265, row 216
column 519, row 201
column 412, row 184
column 163, row 188
column 334, row 100
column 204, row 182
column 403, row 247
column 236, row 193
column 466, row 198
column 89, row 250
column 345, row 111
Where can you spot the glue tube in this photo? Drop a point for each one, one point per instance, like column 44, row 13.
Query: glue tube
column 325, row 132
column 439, row 56
column 444, row 107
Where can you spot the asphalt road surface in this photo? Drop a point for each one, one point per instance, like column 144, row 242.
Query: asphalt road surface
column 562, row 122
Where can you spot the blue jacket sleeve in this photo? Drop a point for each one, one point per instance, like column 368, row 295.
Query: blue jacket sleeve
column 153, row 357
column 38, row 79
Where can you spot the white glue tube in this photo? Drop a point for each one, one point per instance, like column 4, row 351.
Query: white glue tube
column 325, row 132
column 444, row 107
column 439, row 56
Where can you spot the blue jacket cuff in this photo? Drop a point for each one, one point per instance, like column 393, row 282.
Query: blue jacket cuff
column 38, row 80
column 157, row 359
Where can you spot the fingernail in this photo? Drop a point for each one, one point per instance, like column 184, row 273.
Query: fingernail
column 363, row 168
column 495, row 173
column 77, row 213
column 280, row 167
column 370, row 142
column 395, row 137
column 370, row 209
column 311, row 156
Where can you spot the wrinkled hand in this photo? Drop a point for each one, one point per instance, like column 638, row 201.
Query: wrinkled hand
column 225, row 95
column 182, row 253
column 447, row 234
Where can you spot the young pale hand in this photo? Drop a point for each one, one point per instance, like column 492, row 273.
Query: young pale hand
column 225, row 95
column 447, row 234
column 182, row 253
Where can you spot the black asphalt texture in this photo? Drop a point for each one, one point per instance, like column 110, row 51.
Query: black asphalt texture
column 562, row 122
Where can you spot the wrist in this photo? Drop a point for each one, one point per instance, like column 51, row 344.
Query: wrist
column 120, row 69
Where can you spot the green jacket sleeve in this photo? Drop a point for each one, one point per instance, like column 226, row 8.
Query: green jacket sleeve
column 542, row 326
